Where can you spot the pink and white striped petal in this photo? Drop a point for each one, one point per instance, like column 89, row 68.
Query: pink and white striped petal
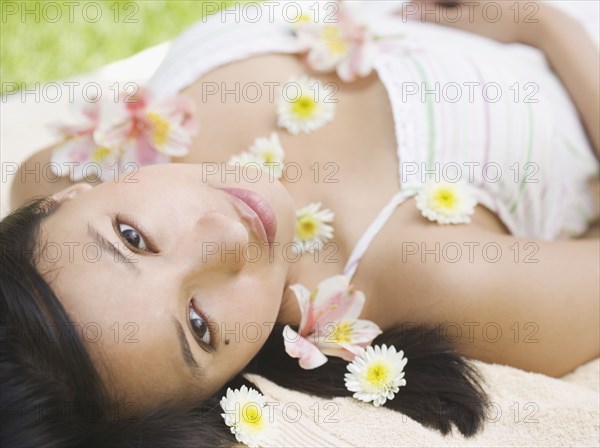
column 310, row 357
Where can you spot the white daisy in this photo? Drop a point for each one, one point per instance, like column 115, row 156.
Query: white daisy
column 376, row 374
column 305, row 106
column 269, row 152
column 312, row 228
column 306, row 17
column 247, row 416
column 446, row 203
column 245, row 158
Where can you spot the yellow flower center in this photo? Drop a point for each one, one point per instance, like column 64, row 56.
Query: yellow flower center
column 306, row 227
column 304, row 18
column 100, row 153
column 269, row 157
column 252, row 416
column 445, row 197
column 333, row 40
column 304, row 107
column 378, row 374
column 160, row 128
column 342, row 333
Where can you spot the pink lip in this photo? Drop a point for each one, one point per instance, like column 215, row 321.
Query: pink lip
column 257, row 210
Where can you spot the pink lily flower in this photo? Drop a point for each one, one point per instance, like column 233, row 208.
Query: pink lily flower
column 79, row 155
column 136, row 129
column 345, row 45
column 329, row 324
column 149, row 131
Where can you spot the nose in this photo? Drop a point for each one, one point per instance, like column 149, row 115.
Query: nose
column 218, row 243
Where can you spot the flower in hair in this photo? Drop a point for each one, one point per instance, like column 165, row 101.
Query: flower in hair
column 446, row 203
column 247, row 415
column 79, row 154
column 304, row 106
column 149, row 130
column 137, row 128
column 338, row 42
column 265, row 153
column 312, row 227
column 329, row 323
column 376, row 375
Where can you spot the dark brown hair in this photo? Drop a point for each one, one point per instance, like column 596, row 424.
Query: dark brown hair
column 52, row 394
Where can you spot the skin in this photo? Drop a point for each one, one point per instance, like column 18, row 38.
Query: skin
column 547, row 311
column 186, row 215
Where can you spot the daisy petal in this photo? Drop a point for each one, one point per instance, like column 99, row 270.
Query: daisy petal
column 308, row 109
column 247, row 415
column 376, row 375
column 312, row 228
column 446, row 203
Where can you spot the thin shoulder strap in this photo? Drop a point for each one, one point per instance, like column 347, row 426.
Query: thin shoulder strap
column 372, row 230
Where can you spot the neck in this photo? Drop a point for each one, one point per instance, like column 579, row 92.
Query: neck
column 289, row 312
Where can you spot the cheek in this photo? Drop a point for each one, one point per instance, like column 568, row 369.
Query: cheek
column 254, row 308
column 247, row 330
column 248, row 323
column 239, row 345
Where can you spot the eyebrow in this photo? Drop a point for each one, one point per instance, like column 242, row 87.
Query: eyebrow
column 186, row 351
column 107, row 245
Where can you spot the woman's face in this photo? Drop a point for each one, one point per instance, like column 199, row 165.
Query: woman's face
column 196, row 289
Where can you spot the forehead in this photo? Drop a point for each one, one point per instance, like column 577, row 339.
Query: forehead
column 69, row 249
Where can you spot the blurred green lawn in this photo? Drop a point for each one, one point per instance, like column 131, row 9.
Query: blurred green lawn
column 41, row 46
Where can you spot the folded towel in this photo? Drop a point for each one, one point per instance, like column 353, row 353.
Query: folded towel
column 525, row 409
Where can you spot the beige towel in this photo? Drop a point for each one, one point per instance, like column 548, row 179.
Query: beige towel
column 525, row 409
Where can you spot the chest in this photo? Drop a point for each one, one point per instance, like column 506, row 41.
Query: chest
column 349, row 165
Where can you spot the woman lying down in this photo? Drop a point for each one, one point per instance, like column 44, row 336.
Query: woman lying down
column 348, row 203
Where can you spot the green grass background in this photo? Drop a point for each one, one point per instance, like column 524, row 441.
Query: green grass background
column 35, row 48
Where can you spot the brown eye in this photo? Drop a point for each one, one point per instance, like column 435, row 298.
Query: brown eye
column 199, row 326
column 132, row 236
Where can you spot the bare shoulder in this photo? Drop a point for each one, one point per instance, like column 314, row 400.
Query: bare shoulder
column 504, row 299
column 35, row 178
column 415, row 258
